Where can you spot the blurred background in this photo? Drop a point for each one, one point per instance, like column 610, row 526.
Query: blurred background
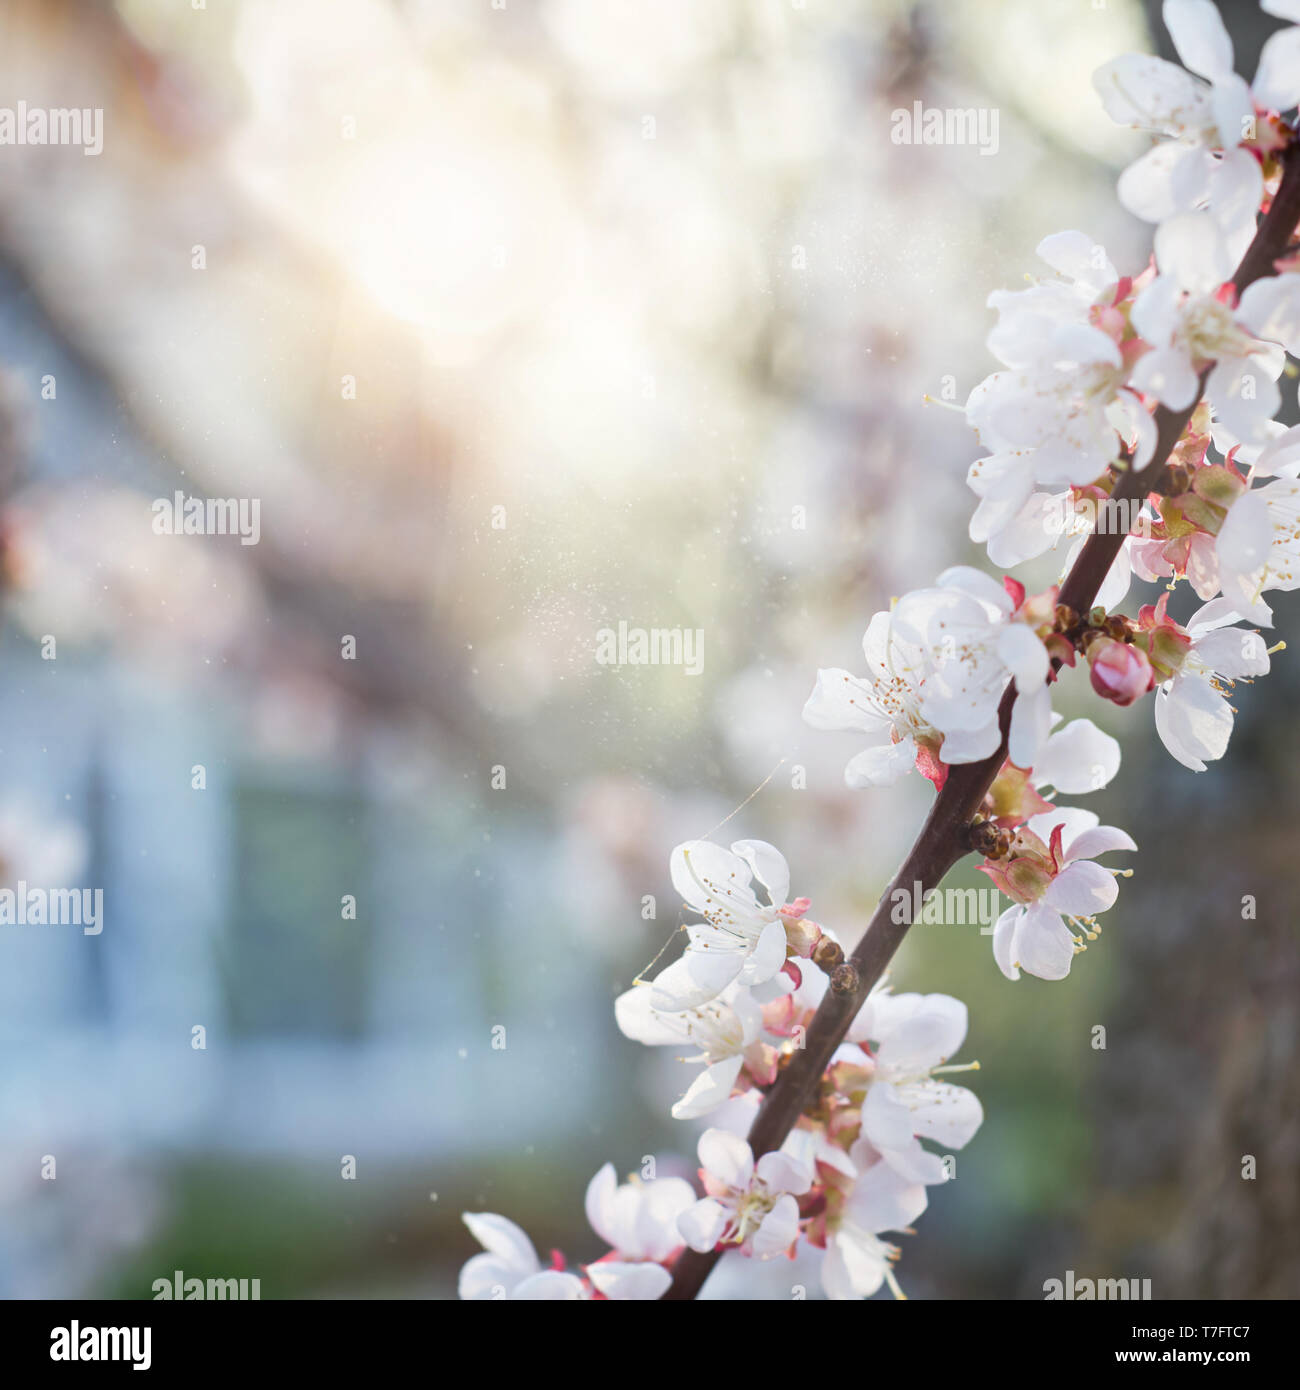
column 521, row 320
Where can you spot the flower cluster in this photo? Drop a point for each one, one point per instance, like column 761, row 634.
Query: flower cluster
column 1098, row 369
column 855, row 1168
column 637, row 1220
column 739, row 1001
column 1091, row 356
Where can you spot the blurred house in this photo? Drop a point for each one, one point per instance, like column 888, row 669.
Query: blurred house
column 225, row 906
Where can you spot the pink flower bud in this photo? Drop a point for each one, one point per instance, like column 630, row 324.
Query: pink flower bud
column 1120, row 671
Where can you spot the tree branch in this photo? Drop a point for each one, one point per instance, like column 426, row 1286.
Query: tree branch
column 941, row 841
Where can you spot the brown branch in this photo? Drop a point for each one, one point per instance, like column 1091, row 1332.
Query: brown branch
column 941, row 841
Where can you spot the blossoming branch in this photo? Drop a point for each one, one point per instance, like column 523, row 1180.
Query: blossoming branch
column 1150, row 397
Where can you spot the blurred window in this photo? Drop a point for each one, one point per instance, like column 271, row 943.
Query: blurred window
column 295, row 965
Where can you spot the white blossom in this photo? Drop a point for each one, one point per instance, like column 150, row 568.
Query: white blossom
column 1206, row 112
column 749, row 1205
column 741, row 939
column 509, row 1267
column 717, row 1032
column 938, row 664
column 1193, row 717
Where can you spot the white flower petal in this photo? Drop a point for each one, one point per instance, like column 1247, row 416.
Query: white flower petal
column 1100, row 839
column 881, row 1200
column 1031, row 722
column 1190, row 247
column 1281, row 454
column 1073, row 820
column 1155, row 311
column 927, row 1036
column 1235, row 184
column 882, row 765
column 1167, row 374
column 1246, row 536
column 1199, row 36
column 661, row 1202
column 948, row 1114
column 1151, row 94
column 782, row 1172
column 701, row 1226
column 599, row 1204
column 1193, row 720
column 1237, row 653
column 1023, row 654
column 709, row 1089
column 550, row 1286
column 767, row 957
column 501, row 1237
column 712, row 971
column 1146, row 187
column 1277, row 80
column 970, row 745
column 1034, row 529
column 1002, row 493
column 979, row 586
column 841, row 700
column 768, row 866
column 779, row 1229
column 1043, row 944
column 487, row 1276
column 1270, row 308
column 1082, row 889
column 637, row 1017
column 1004, row 932
column 727, row 1157
column 707, row 875
column 1076, row 255
column 1243, row 394
column 1078, row 758
column 886, row 1121
column 849, row 1271
column 641, row 1281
